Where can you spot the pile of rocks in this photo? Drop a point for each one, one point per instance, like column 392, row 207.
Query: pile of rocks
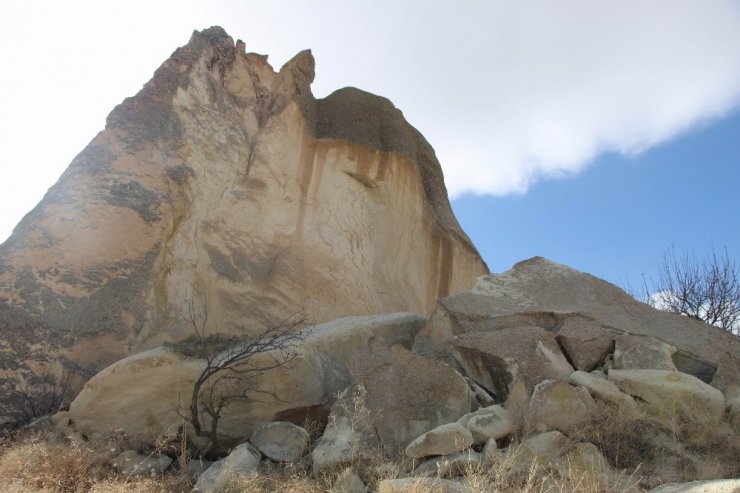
column 521, row 368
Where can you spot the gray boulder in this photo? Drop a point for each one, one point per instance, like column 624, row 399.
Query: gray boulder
column 134, row 463
column 280, row 441
column 672, row 393
column 541, row 293
column 639, row 352
column 442, row 440
column 243, row 460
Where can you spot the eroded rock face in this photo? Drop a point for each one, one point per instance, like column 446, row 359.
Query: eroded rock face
column 225, row 181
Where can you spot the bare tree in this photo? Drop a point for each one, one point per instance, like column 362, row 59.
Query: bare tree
column 233, row 365
column 36, row 395
column 708, row 289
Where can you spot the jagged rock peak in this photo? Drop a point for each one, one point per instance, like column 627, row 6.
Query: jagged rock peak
column 227, row 182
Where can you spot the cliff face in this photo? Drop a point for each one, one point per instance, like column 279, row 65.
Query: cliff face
column 227, row 183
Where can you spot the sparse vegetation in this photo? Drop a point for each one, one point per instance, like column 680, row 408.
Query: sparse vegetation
column 37, row 395
column 706, row 289
column 233, row 364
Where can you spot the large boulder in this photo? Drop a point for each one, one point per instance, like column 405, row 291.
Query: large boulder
column 280, row 441
column 226, row 178
column 349, row 435
column 442, row 440
column 408, row 394
column 241, row 461
column 556, row 405
column 638, row 352
column 672, row 393
column 583, row 312
column 497, row 358
column 147, row 394
column 487, row 423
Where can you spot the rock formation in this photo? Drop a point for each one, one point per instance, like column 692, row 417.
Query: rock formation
column 228, row 184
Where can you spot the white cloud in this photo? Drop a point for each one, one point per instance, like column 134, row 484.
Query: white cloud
column 507, row 92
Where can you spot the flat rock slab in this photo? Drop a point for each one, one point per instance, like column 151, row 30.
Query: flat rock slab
column 443, row 440
column 408, row 394
column 637, row 352
column 497, row 358
column 669, row 392
column 605, row 390
column 280, row 441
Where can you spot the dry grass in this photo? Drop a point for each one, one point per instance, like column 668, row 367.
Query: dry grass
column 639, row 450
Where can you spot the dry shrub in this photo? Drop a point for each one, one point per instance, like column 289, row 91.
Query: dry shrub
column 41, row 463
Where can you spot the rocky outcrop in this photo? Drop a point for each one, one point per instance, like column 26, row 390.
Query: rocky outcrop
column 227, row 183
column 585, row 315
column 148, row 393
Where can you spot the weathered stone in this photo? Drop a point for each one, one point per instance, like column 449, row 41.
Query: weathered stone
column 489, row 422
column 727, row 377
column 408, row 394
column 537, row 449
column 133, row 463
column 348, row 482
column 604, row 390
column 443, row 440
column 673, row 393
column 585, row 343
column 497, row 358
column 637, row 352
column 146, row 394
column 491, row 451
column 243, row 460
column 481, row 395
column 229, row 179
column 280, row 441
column 416, row 485
column 713, row 486
column 538, row 292
column 447, row 466
column 559, row 406
column 196, row 467
column 349, row 435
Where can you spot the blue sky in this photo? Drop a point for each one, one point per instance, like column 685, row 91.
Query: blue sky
column 593, row 132
column 617, row 218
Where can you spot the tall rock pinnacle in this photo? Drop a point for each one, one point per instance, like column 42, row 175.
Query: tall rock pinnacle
column 227, row 183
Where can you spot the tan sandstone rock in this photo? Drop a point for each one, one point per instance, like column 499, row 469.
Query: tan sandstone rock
column 555, row 405
column 497, row 358
column 672, row 393
column 280, row 441
column 635, row 352
column 584, row 312
column 146, row 394
column 226, row 181
column 442, row 440
column 604, row 390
